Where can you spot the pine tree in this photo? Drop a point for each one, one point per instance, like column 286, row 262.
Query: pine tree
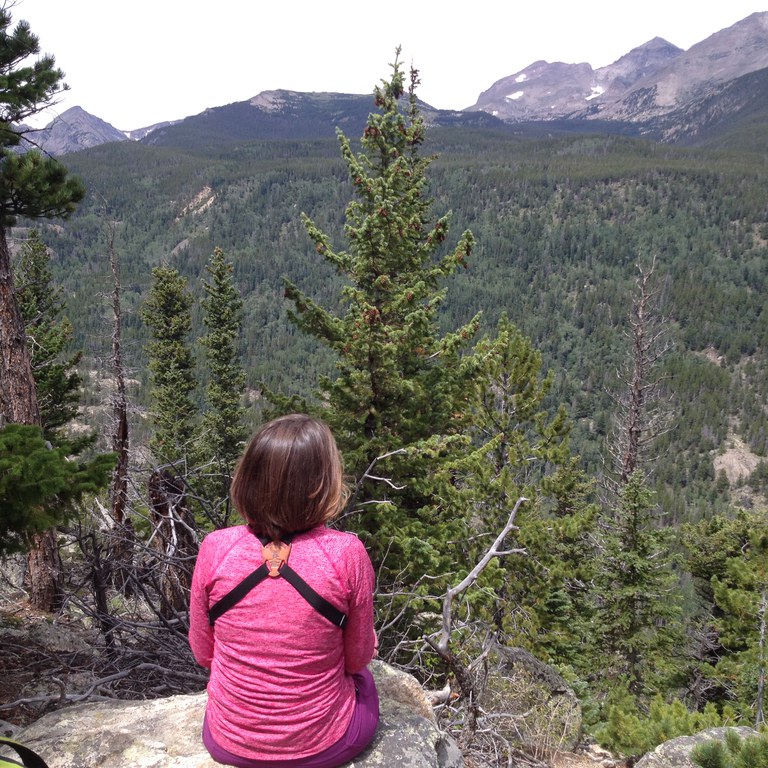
column 40, row 485
column 400, row 387
column 167, row 312
column 31, row 185
column 540, row 599
column 35, row 186
column 58, row 388
column 49, row 334
column 222, row 430
column 741, row 597
column 638, row 610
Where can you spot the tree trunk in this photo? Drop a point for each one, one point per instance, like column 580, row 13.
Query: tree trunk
column 44, row 572
column 123, row 535
column 19, row 397
column 18, row 400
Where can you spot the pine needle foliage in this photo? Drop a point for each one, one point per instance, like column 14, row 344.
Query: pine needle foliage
column 741, row 598
column 167, row 313
column 637, row 601
column 401, row 388
column 222, row 428
column 49, row 336
column 733, row 752
column 40, row 486
column 630, row 731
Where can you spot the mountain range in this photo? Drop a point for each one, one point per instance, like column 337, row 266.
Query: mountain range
column 657, row 90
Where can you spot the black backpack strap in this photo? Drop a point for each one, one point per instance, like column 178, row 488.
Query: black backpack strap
column 320, row 604
column 236, row 594
column 29, row 758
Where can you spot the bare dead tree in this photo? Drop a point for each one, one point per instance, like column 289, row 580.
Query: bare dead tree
column 123, row 540
column 641, row 412
column 174, row 539
column 352, row 507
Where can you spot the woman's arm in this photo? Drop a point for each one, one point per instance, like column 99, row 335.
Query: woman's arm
column 200, row 631
column 360, row 642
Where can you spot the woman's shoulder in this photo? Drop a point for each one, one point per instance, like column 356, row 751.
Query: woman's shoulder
column 326, row 534
column 338, row 542
column 224, row 538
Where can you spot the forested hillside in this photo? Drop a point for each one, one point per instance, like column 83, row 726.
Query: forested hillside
column 560, row 225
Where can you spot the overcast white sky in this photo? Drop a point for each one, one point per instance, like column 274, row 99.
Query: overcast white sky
column 134, row 63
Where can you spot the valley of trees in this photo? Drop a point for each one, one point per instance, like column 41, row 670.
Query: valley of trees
column 559, row 338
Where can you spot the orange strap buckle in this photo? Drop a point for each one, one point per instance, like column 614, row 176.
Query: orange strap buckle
column 275, row 556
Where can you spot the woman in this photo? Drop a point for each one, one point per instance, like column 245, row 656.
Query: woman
column 289, row 686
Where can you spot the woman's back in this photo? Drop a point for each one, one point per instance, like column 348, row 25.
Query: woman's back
column 280, row 683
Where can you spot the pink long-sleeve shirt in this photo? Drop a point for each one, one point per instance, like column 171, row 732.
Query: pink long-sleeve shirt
column 280, row 684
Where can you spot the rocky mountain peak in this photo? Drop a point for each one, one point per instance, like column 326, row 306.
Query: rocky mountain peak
column 651, row 80
column 73, row 131
column 639, row 63
column 692, row 74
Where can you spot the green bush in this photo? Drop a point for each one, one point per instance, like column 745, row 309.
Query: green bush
column 629, row 731
column 734, row 752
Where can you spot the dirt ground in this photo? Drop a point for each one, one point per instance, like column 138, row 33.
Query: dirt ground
column 738, row 462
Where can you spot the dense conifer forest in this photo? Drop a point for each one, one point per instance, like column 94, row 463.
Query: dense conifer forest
column 560, row 226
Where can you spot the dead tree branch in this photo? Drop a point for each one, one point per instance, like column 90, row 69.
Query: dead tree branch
column 442, row 645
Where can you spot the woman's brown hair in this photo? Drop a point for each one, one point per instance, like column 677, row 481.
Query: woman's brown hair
column 289, row 478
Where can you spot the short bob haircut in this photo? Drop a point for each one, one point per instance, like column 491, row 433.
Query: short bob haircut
column 290, row 477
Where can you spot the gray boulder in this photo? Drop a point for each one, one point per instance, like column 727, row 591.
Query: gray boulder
column 676, row 753
column 165, row 733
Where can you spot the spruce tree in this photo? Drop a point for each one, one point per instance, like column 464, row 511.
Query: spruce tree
column 167, row 312
column 33, row 185
column 49, row 334
column 638, row 607
column 222, row 431
column 400, row 386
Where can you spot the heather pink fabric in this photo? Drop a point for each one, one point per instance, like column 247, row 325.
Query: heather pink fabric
column 281, row 674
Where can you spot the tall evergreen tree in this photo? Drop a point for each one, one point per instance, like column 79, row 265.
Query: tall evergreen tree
column 399, row 383
column 638, row 606
column 49, row 334
column 54, row 478
column 36, row 186
column 32, row 185
column 223, row 422
column 540, row 598
column 167, row 312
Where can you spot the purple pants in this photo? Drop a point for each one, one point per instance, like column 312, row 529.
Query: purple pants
column 358, row 736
